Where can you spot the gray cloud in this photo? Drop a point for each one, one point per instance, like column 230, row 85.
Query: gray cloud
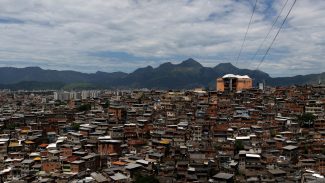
column 60, row 34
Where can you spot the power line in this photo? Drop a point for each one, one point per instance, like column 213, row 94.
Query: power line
column 267, row 35
column 249, row 24
column 267, row 51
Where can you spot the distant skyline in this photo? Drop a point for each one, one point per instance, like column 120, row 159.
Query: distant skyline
column 118, row 35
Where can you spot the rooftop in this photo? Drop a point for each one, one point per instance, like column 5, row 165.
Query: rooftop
column 236, row 76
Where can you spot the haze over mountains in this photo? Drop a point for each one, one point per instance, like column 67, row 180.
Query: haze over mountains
column 187, row 74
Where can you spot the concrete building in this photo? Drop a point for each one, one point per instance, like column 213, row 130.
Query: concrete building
column 174, row 136
column 61, row 95
column 231, row 82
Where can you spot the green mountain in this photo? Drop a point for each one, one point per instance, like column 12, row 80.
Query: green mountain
column 187, row 74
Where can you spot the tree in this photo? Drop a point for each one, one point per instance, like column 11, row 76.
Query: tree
column 272, row 132
column 146, row 179
column 106, row 105
column 75, row 126
column 84, row 107
column 217, row 147
column 11, row 126
column 238, row 146
column 306, row 149
column 307, row 120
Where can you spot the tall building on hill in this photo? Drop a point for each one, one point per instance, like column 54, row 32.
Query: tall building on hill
column 231, row 82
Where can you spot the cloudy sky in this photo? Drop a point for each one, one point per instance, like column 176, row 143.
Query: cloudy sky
column 121, row 35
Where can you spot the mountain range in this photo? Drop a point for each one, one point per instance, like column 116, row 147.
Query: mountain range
column 188, row 74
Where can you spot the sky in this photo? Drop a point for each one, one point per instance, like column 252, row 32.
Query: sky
column 121, row 35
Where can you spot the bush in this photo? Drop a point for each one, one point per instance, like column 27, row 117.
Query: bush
column 146, row 179
column 238, row 146
column 272, row 133
column 75, row 126
column 306, row 120
column 84, row 107
column 106, row 105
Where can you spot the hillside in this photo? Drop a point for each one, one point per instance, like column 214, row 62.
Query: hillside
column 187, row 74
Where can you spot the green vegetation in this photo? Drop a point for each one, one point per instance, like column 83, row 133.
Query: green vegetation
column 217, row 146
column 107, row 104
column 79, row 86
column 238, row 146
column 75, row 126
column 306, row 120
column 84, row 107
column 10, row 126
column 188, row 74
column 306, row 149
column 146, row 179
column 59, row 102
column 272, row 132
column 33, row 85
